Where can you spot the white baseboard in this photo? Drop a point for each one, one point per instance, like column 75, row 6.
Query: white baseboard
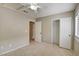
column 13, row 49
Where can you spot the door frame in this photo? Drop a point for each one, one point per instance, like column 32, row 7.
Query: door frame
column 52, row 20
column 55, row 21
column 58, row 18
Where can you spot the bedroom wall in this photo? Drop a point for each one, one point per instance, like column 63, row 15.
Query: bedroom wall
column 14, row 30
column 47, row 25
column 46, row 28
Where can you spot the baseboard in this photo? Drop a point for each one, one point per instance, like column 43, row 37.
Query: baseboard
column 13, row 49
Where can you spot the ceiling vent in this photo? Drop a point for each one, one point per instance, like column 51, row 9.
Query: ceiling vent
column 25, row 11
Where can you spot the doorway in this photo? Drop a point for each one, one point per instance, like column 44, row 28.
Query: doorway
column 62, row 32
column 32, row 31
column 56, row 31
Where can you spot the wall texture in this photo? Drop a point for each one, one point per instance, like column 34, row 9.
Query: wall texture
column 14, row 30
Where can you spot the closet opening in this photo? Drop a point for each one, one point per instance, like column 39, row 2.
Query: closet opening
column 31, row 31
column 56, row 32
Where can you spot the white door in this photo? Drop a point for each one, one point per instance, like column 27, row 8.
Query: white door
column 38, row 31
column 65, row 33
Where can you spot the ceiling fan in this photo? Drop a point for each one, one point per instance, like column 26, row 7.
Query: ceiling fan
column 32, row 6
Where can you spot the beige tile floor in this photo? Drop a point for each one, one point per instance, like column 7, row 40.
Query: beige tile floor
column 40, row 49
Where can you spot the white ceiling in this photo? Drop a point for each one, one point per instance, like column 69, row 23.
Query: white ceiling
column 55, row 8
column 46, row 8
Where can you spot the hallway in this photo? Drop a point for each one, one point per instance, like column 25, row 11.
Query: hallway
column 40, row 49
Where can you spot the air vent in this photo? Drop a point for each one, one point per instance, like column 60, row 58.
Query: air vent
column 25, row 11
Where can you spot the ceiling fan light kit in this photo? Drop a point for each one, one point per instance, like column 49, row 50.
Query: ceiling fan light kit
column 33, row 6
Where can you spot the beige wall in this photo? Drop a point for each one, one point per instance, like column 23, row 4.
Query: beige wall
column 46, row 23
column 46, row 29
column 14, row 29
